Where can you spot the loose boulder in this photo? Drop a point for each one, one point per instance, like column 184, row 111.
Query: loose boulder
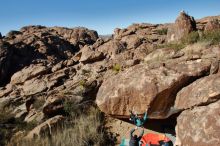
column 183, row 25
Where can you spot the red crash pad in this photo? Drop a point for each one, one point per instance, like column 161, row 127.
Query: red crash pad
column 153, row 139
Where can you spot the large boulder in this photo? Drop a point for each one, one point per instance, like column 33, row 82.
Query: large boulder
column 199, row 126
column 141, row 87
column 184, row 24
column 200, row 92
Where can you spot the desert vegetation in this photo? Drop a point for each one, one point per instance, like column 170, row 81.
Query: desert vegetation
column 211, row 37
column 84, row 125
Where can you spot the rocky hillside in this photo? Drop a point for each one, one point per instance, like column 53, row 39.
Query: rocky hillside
column 170, row 69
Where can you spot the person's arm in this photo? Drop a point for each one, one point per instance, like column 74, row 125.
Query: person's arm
column 131, row 133
column 141, row 134
column 145, row 117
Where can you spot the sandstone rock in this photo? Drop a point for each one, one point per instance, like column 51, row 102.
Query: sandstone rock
column 13, row 33
column 29, row 73
column 193, row 68
column 130, row 63
column 46, row 127
column 141, row 86
column 184, row 24
column 132, row 41
column 89, row 55
column 53, row 105
column 47, row 82
column 112, row 48
column 215, row 67
column 212, row 25
column 201, row 23
column 6, row 91
column 160, row 55
column 138, row 88
column 200, row 92
column 34, row 86
column 58, row 103
column 98, row 43
column 57, row 67
column 32, row 28
column 199, row 126
column 34, row 116
column 5, row 61
column 78, row 35
column 119, row 33
column 38, row 44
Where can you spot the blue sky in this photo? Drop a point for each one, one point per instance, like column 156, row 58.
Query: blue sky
column 100, row 15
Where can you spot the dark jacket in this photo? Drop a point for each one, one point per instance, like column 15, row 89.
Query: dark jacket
column 134, row 141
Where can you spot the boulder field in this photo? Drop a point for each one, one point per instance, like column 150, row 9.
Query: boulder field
column 41, row 67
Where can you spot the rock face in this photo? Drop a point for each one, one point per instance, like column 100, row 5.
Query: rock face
column 184, row 24
column 88, row 55
column 199, row 126
column 141, row 87
column 38, row 44
column 5, row 61
column 200, row 92
column 201, row 23
column 28, row 73
column 212, row 25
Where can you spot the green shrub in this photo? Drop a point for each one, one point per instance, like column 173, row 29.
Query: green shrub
column 38, row 103
column 162, row 31
column 211, row 36
column 82, row 83
column 116, row 68
column 191, row 38
column 176, row 46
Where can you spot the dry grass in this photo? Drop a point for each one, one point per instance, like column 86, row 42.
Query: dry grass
column 84, row 130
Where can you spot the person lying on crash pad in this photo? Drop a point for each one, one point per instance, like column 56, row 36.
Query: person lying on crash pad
column 134, row 140
column 139, row 122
